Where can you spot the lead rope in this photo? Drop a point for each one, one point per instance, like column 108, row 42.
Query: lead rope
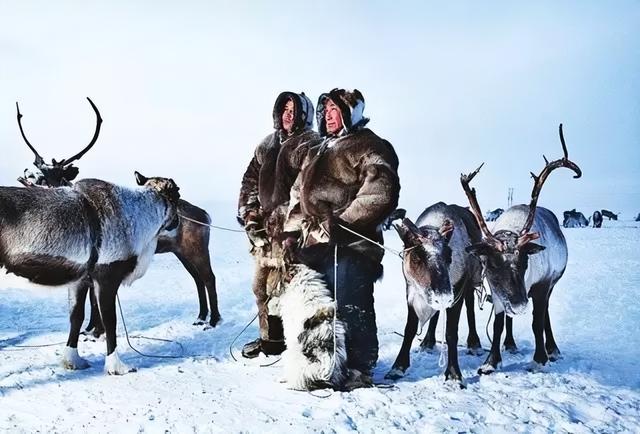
column 214, row 226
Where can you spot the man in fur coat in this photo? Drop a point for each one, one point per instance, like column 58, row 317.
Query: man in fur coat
column 262, row 205
column 350, row 179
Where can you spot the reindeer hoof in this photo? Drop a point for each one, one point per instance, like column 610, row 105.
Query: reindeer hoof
column 455, row 379
column 199, row 322
column 214, row 321
column 535, row 367
column 114, row 366
column 487, row 369
column 555, row 355
column 72, row 361
column 511, row 348
column 394, row 374
column 475, row 351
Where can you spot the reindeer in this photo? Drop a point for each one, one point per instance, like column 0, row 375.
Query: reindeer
column 189, row 241
column 517, row 268
column 94, row 234
column 608, row 214
column 493, row 215
column 574, row 219
column 439, row 274
column 597, row 219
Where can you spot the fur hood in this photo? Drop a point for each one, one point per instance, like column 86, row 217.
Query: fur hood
column 303, row 108
column 351, row 105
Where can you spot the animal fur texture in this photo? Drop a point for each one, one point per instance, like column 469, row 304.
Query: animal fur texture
column 307, row 308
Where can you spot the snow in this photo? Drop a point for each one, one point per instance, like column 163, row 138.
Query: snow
column 594, row 388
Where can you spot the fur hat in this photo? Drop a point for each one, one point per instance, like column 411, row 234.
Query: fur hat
column 351, row 105
column 302, row 107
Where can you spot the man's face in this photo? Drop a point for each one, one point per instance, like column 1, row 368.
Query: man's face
column 332, row 117
column 287, row 116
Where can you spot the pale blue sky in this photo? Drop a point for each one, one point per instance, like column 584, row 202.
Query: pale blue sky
column 186, row 90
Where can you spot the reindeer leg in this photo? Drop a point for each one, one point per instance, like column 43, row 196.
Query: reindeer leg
column 429, row 340
column 550, row 345
column 509, row 343
column 202, row 297
column 202, row 263
column 77, row 296
column 402, row 361
column 106, row 291
column 494, row 359
column 95, row 326
column 539, row 296
column 453, row 319
column 473, row 340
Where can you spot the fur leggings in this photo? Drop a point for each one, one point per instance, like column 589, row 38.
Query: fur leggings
column 356, row 276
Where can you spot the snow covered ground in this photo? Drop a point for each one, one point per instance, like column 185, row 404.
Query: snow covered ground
column 595, row 388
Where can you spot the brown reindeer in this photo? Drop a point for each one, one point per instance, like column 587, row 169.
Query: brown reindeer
column 189, row 241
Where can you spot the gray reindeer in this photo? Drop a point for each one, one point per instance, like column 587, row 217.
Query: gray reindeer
column 516, row 268
column 93, row 234
column 439, row 274
column 189, row 241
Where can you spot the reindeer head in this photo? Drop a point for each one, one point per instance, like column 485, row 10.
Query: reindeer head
column 427, row 259
column 167, row 187
column 505, row 254
column 505, row 260
column 58, row 173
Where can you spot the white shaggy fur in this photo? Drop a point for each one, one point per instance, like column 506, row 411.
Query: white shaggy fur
column 132, row 231
column 114, row 366
column 304, row 297
column 72, row 360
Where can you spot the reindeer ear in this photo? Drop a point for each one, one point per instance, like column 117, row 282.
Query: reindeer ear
column 480, row 249
column 140, row 179
column 532, row 248
column 407, row 237
column 397, row 214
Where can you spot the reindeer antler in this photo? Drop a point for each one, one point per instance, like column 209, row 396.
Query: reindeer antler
column 39, row 160
column 540, row 179
column 93, row 140
column 475, row 207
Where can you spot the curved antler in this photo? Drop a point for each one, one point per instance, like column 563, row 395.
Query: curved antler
column 39, row 160
column 93, row 140
column 540, row 179
column 475, row 207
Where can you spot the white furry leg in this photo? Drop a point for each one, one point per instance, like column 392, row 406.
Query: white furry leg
column 114, row 366
column 71, row 359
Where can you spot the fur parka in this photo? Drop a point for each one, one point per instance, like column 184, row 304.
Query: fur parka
column 352, row 176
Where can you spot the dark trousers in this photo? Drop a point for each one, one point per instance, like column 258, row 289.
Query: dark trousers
column 356, row 276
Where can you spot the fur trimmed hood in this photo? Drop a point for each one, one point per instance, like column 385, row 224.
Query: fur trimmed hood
column 351, row 105
column 303, row 111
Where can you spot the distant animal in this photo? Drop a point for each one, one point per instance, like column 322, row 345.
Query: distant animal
column 574, row 219
column 94, row 234
column 439, row 274
column 492, row 216
column 638, row 218
column 517, row 268
column 189, row 241
column 608, row 214
column 597, row 219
